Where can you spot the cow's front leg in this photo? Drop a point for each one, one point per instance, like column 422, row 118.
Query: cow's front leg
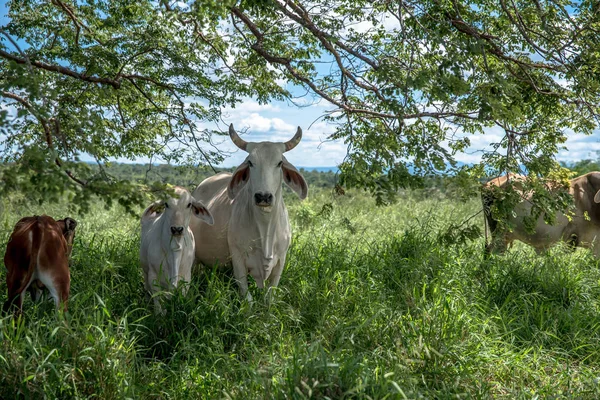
column 273, row 279
column 186, row 278
column 240, row 272
column 153, row 286
column 147, row 282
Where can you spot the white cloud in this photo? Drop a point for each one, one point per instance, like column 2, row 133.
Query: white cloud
column 578, row 146
column 280, row 125
column 256, row 122
column 581, row 147
column 248, row 106
column 319, row 131
column 308, row 154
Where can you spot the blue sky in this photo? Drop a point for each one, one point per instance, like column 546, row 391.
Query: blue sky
column 277, row 121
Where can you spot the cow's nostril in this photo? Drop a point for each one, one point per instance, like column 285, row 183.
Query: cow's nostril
column 177, row 230
column 263, row 198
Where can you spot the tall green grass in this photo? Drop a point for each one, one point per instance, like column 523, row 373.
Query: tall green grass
column 373, row 303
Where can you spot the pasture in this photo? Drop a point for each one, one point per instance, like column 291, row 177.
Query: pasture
column 372, row 304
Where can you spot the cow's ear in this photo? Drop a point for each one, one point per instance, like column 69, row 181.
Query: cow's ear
column 200, row 211
column 153, row 209
column 294, row 179
column 597, row 197
column 70, row 224
column 238, row 180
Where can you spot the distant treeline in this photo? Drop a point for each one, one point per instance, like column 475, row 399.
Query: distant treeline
column 583, row 166
column 191, row 176
column 188, row 176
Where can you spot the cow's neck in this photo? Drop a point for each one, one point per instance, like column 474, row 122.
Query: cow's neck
column 266, row 223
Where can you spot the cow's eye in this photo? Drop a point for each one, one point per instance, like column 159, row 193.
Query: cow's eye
column 250, row 163
column 280, row 163
column 166, row 205
column 189, row 205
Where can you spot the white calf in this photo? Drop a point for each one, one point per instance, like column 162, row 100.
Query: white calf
column 167, row 250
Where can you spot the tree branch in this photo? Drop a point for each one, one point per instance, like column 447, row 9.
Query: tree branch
column 302, row 17
column 286, row 62
column 494, row 48
column 116, row 83
column 17, row 98
column 69, row 11
column 61, row 70
column 304, row 20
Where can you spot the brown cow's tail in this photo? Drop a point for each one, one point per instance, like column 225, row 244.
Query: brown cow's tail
column 487, row 199
column 36, row 243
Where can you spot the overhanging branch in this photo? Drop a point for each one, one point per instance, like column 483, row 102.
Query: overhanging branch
column 287, row 63
column 61, row 70
column 47, row 131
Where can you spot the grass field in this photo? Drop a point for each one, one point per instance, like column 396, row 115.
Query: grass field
column 371, row 304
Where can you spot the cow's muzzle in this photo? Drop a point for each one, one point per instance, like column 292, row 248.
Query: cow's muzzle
column 177, row 230
column 263, row 199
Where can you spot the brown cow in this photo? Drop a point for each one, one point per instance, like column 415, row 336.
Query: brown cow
column 37, row 256
column 582, row 229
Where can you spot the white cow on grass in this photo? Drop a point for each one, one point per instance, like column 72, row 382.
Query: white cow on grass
column 251, row 228
column 167, row 250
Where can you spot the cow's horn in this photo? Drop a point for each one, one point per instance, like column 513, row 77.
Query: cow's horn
column 239, row 142
column 293, row 142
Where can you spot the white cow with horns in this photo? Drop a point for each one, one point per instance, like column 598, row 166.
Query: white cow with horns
column 167, row 250
column 251, row 228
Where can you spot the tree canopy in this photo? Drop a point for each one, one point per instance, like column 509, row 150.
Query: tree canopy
column 408, row 82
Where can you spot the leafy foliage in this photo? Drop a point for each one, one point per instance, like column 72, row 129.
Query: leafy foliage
column 108, row 79
column 412, row 81
column 409, row 83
